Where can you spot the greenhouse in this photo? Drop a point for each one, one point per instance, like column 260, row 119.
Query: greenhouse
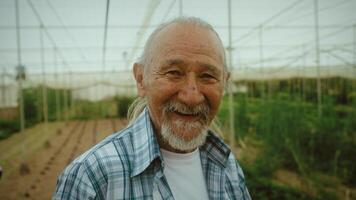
column 288, row 111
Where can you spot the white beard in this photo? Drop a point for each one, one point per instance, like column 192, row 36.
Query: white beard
column 176, row 139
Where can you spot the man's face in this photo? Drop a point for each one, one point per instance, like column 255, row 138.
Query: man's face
column 183, row 83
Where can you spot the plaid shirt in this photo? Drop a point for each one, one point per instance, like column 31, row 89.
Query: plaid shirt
column 129, row 165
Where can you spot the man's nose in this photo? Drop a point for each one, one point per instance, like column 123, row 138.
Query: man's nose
column 189, row 92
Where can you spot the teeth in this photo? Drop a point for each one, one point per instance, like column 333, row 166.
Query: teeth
column 186, row 112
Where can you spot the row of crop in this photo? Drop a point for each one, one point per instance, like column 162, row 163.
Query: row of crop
column 47, row 166
column 341, row 90
column 60, row 107
column 292, row 136
column 57, row 101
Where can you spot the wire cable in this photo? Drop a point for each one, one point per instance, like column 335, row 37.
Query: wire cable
column 38, row 16
column 291, row 6
column 339, row 58
column 152, row 6
column 168, row 11
column 330, row 6
column 66, row 29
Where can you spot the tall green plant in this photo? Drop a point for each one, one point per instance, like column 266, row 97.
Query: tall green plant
column 281, row 126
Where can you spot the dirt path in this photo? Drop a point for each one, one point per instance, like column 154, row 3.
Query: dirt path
column 47, row 151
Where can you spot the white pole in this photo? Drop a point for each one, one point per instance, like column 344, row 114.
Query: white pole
column 3, row 88
column 44, row 87
column 354, row 31
column 260, row 38
column 65, row 90
column 304, row 71
column 56, row 80
column 24, row 169
column 72, row 93
column 22, row 112
column 180, row 8
column 317, row 51
column 230, row 92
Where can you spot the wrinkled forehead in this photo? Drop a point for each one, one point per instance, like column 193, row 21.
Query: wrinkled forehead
column 194, row 36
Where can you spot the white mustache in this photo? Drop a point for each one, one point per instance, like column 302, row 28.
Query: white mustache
column 174, row 106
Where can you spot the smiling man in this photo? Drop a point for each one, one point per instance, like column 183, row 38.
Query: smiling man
column 168, row 151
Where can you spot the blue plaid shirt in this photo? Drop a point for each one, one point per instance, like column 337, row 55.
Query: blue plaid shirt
column 129, row 165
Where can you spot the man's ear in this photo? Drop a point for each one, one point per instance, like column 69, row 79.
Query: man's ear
column 227, row 76
column 138, row 74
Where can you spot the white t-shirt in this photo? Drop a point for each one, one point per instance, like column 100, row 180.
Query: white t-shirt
column 184, row 174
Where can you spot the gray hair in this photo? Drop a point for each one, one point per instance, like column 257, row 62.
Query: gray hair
column 140, row 103
column 146, row 54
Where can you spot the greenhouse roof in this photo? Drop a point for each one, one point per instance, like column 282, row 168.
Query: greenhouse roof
column 62, row 36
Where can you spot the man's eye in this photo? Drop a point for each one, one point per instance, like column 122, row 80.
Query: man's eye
column 175, row 73
column 207, row 76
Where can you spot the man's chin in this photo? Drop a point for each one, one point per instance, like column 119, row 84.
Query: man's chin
column 186, row 134
column 183, row 138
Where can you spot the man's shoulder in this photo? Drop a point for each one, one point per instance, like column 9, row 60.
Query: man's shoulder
column 107, row 161
column 106, row 152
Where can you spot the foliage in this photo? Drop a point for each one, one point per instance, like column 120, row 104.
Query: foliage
column 281, row 126
column 31, row 106
column 266, row 164
column 8, row 127
column 242, row 120
column 305, row 142
column 57, row 97
column 334, row 144
column 123, row 103
column 263, row 188
column 92, row 110
column 241, row 115
column 33, row 103
column 304, row 88
column 284, row 122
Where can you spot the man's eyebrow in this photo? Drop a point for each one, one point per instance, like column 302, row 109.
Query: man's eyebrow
column 173, row 62
column 179, row 62
column 210, row 67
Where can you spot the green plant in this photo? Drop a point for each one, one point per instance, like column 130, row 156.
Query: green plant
column 261, row 187
column 8, row 127
column 123, row 103
column 280, row 125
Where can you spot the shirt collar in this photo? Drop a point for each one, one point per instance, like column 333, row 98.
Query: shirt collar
column 145, row 145
column 146, row 148
column 216, row 149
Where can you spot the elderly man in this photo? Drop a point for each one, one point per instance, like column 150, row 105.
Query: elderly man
column 168, row 150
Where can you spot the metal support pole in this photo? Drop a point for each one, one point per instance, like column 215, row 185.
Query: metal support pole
column 304, row 72
column 97, row 95
column 72, row 103
column 22, row 110
column 65, row 90
column 104, row 52
column 57, row 90
column 354, row 55
column 180, row 8
column 24, row 169
column 230, row 92
column 44, row 87
column 3, row 92
column 263, row 94
column 317, row 51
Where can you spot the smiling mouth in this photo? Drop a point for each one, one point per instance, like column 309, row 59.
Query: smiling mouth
column 187, row 116
column 180, row 111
